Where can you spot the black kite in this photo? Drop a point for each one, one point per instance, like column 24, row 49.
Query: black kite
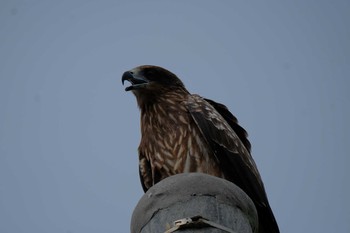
column 183, row 132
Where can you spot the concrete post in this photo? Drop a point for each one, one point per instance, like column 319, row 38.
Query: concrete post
column 194, row 202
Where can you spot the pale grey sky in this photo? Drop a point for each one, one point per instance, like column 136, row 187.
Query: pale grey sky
column 69, row 133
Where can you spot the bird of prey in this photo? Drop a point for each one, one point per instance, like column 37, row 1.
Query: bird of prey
column 183, row 132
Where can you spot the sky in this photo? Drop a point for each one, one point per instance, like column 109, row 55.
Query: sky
column 69, row 132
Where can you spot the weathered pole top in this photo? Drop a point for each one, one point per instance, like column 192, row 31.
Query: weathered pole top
column 219, row 202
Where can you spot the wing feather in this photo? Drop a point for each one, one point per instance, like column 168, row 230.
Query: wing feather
column 232, row 121
column 228, row 142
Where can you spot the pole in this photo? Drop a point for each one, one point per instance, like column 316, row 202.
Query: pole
column 194, row 202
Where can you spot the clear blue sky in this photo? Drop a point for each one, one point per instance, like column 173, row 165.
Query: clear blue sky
column 69, row 133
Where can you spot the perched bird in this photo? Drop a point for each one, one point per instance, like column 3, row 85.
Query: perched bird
column 183, row 132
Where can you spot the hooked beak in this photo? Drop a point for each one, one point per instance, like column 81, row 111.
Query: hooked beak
column 136, row 81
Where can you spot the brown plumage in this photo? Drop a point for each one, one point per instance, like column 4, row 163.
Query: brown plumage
column 183, row 132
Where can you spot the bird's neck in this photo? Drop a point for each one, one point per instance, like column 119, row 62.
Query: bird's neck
column 157, row 102
column 163, row 112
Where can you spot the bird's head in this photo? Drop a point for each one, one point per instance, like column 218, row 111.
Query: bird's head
column 150, row 82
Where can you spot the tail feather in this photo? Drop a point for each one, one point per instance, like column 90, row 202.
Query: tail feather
column 267, row 221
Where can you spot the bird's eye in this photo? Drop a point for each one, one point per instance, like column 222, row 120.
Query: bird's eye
column 149, row 72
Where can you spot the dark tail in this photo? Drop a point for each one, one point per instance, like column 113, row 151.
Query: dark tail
column 267, row 221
